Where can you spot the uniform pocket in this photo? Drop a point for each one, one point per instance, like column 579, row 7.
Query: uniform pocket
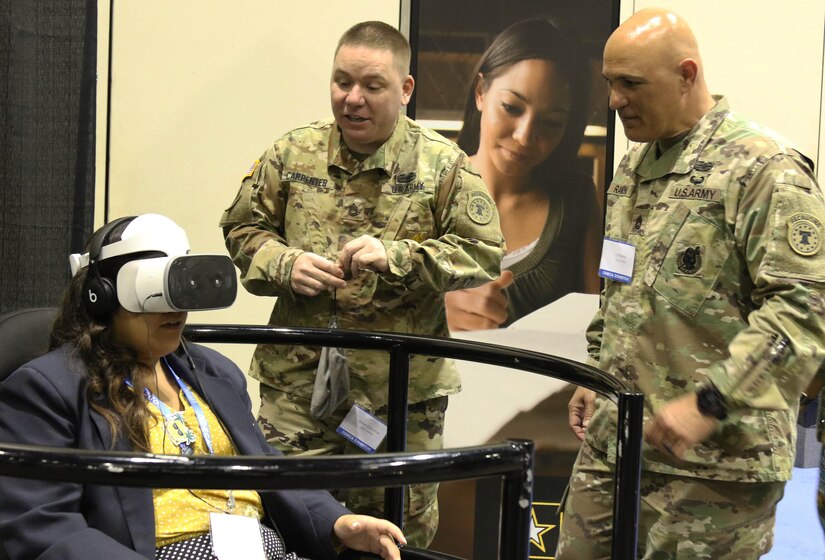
column 687, row 259
column 409, row 220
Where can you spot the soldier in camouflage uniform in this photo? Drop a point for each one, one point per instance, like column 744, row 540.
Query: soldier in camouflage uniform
column 371, row 218
column 718, row 320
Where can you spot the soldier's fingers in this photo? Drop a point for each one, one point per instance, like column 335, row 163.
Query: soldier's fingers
column 328, row 280
column 372, row 258
column 653, row 434
column 307, row 286
column 328, row 267
column 345, row 258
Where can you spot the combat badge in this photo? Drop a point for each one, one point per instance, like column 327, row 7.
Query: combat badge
column 480, row 208
column 689, row 260
column 804, row 234
column 703, row 166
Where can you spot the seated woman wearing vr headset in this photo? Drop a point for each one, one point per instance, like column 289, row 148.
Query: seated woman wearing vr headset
column 119, row 377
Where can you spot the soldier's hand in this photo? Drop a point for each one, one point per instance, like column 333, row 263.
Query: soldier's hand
column 484, row 307
column 363, row 253
column 679, row 426
column 313, row 274
column 580, row 410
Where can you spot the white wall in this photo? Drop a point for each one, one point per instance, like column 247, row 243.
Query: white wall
column 199, row 90
column 766, row 57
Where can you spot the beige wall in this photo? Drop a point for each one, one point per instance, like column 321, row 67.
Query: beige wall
column 767, row 59
column 199, row 90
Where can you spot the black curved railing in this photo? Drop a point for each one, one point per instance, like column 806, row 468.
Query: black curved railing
column 513, row 460
column 401, row 346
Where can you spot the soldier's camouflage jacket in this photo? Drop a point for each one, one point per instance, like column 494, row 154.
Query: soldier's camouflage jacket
column 417, row 194
column 727, row 288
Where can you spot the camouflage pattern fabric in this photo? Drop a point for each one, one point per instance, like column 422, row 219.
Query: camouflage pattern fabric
column 417, row 193
column 727, row 288
column 681, row 518
column 285, row 421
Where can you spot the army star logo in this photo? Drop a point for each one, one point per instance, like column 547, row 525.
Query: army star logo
column 803, row 234
column 538, row 530
column 480, row 209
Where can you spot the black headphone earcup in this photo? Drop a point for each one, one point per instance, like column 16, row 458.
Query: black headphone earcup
column 99, row 297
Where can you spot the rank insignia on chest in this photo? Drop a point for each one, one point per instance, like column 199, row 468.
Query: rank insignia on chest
column 404, row 178
column 480, row 208
column 689, row 260
column 804, row 234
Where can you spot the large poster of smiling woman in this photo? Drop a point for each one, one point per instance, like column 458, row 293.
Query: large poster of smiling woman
column 519, row 88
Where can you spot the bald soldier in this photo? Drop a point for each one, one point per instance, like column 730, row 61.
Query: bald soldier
column 362, row 221
column 712, row 307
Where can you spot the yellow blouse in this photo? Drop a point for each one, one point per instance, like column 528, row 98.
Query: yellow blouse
column 181, row 514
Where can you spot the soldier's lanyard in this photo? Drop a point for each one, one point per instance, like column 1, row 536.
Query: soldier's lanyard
column 333, row 321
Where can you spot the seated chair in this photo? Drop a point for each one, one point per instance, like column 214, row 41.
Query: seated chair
column 24, row 335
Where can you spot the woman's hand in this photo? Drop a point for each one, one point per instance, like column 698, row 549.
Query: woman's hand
column 484, row 307
column 370, row 534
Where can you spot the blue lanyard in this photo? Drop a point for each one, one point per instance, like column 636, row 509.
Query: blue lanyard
column 193, row 402
column 170, row 415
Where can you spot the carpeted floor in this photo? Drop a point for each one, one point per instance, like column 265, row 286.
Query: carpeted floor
column 798, row 534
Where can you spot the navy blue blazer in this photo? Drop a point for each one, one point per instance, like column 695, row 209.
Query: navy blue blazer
column 44, row 403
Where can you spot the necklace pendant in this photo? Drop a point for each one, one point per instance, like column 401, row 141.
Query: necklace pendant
column 230, row 502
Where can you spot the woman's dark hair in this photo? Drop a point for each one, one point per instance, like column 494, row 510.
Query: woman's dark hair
column 108, row 364
column 536, row 38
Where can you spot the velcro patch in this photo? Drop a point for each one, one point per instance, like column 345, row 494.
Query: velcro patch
column 480, row 208
column 804, row 234
column 251, row 169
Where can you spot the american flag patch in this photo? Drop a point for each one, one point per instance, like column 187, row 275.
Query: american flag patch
column 251, row 169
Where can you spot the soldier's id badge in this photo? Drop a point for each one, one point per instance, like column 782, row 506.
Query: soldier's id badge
column 363, row 429
column 617, row 261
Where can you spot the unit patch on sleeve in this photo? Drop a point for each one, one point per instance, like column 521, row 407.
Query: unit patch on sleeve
column 804, row 234
column 480, row 208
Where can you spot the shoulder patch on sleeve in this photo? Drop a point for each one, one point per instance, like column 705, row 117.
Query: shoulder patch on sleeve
column 480, row 208
column 251, row 169
column 804, row 233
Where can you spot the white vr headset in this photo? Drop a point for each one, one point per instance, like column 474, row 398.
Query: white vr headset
column 177, row 281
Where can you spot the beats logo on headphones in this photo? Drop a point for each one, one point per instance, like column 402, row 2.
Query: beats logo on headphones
column 100, row 294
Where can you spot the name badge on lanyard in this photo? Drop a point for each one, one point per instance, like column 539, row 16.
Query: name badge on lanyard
column 235, row 537
column 617, row 261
